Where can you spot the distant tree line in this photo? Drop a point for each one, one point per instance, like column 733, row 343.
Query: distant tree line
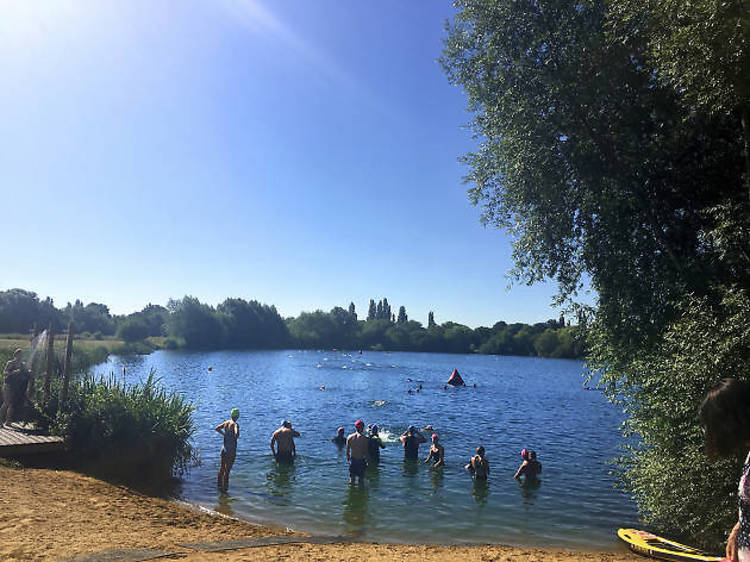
column 240, row 324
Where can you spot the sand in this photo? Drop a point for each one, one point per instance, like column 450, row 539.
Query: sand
column 49, row 514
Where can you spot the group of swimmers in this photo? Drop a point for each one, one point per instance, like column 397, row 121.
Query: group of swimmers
column 363, row 450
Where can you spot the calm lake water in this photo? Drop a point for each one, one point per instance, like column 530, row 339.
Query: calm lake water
column 519, row 402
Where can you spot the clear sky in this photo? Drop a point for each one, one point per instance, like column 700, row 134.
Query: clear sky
column 300, row 153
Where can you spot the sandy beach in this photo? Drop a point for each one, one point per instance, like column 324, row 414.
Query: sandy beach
column 51, row 514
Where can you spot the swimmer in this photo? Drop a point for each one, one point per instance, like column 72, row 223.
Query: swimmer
column 321, row 387
column 437, row 452
column 445, row 387
column 478, row 466
column 356, row 452
column 340, row 438
column 530, row 467
column 284, row 439
column 230, row 429
column 374, row 444
column 410, row 439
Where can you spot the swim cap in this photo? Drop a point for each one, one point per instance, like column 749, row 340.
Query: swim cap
column 434, row 435
column 286, row 423
column 480, row 450
column 340, row 430
column 235, row 413
column 374, row 428
column 412, row 429
column 359, row 423
column 524, row 454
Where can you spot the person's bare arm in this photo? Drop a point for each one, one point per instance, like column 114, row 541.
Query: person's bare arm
column 220, row 427
column 518, row 472
column 295, row 433
column 732, row 542
column 273, row 440
column 348, row 448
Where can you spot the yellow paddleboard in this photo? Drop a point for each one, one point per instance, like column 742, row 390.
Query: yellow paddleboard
column 648, row 544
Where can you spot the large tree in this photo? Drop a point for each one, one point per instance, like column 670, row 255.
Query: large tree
column 599, row 169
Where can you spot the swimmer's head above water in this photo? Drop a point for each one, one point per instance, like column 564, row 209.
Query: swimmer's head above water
column 480, row 451
column 359, row 425
column 525, row 454
column 286, row 423
column 412, row 430
column 374, row 429
column 340, row 431
column 235, row 413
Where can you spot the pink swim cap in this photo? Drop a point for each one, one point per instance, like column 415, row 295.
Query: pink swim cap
column 524, row 454
column 434, row 435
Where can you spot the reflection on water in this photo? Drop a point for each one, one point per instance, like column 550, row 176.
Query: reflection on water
column 355, row 509
column 529, row 490
column 280, row 478
column 313, row 495
column 480, row 490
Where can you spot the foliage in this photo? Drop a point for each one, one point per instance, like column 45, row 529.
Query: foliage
column 670, row 474
column 136, row 431
column 20, row 310
column 133, row 329
column 601, row 169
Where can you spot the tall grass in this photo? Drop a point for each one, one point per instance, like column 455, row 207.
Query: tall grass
column 133, row 432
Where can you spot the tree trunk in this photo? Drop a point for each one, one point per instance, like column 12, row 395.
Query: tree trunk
column 66, row 369
column 50, row 362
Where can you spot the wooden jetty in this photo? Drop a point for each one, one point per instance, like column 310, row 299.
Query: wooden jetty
column 16, row 443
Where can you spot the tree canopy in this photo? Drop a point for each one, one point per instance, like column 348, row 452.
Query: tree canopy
column 600, row 163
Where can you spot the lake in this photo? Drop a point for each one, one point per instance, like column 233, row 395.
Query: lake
column 519, row 402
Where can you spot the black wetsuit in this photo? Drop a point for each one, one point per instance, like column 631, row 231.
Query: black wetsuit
column 373, row 448
column 411, row 448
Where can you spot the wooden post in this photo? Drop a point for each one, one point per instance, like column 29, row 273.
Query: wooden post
column 66, row 368
column 50, row 362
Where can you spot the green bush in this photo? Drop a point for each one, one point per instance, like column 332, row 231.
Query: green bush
column 676, row 486
column 133, row 329
column 131, row 432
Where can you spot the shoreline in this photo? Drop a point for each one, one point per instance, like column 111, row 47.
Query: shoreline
column 48, row 514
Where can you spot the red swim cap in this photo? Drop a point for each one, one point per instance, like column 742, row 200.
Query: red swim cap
column 434, row 435
column 524, row 454
column 359, row 423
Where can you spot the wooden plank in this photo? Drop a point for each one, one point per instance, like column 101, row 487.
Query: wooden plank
column 17, row 443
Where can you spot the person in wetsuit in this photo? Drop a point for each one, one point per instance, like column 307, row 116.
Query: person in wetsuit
column 437, row 452
column 478, row 466
column 356, row 452
column 283, row 438
column 530, row 467
column 340, row 439
column 374, row 445
column 230, row 429
column 16, row 381
column 410, row 439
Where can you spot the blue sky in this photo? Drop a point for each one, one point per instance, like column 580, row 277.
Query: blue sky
column 300, row 153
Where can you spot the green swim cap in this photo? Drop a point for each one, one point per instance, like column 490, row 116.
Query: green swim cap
column 235, row 413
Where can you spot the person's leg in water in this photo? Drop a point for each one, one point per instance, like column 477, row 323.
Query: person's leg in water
column 227, row 461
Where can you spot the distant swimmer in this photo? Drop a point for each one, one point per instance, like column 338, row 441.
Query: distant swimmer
column 410, row 439
column 374, row 444
column 530, row 468
column 284, row 439
column 230, row 429
column 428, row 428
column 479, row 466
column 356, row 452
column 437, row 452
column 321, row 387
column 340, row 438
column 456, row 379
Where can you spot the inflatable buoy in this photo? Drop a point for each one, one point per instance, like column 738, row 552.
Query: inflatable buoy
column 456, row 379
column 643, row 542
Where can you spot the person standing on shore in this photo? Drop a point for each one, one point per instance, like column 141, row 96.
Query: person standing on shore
column 725, row 413
column 410, row 439
column 283, row 437
column 230, row 429
column 15, row 383
column 437, row 452
column 357, row 445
